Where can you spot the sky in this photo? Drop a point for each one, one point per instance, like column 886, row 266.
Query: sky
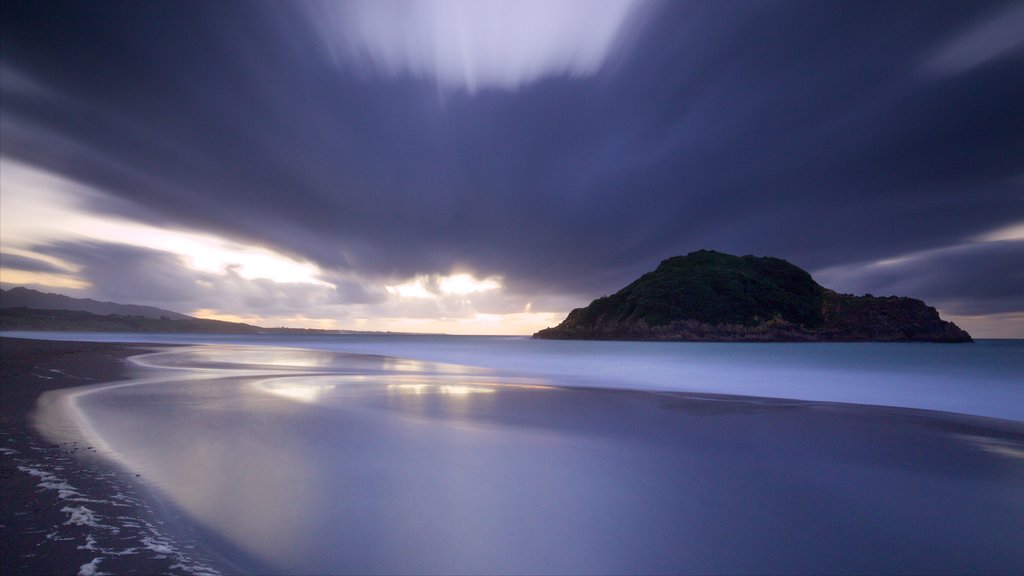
column 483, row 167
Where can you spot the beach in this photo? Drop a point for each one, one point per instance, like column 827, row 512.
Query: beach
column 286, row 460
column 63, row 505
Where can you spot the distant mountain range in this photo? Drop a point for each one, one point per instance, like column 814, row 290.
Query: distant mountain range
column 711, row 296
column 27, row 309
column 27, row 298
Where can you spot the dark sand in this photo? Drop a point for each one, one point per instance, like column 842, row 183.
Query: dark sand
column 63, row 507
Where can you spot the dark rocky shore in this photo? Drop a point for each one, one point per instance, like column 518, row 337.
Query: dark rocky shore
column 64, row 510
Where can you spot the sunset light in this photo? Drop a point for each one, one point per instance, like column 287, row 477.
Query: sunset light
column 511, row 287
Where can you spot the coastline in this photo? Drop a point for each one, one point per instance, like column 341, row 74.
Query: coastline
column 66, row 509
column 746, row 434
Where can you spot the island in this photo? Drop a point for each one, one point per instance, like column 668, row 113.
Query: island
column 713, row 296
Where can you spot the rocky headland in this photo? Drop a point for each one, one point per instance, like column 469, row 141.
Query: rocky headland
column 712, row 296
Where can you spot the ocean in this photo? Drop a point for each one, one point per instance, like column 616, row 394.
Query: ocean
column 445, row 454
column 983, row 379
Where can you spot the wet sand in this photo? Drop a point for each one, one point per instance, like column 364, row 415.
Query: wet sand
column 63, row 506
column 642, row 481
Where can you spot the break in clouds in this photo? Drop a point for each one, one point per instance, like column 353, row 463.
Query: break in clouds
column 474, row 44
column 562, row 148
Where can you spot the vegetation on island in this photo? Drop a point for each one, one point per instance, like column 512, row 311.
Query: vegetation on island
column 712, row 296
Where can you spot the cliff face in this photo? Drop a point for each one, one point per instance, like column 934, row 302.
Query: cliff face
column 711, row 296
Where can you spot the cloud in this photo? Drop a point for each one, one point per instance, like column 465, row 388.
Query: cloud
column 798, row 130
column 969, row 279
column 352, row 290
column 140, row 275
column 15, row 82
column 474, row 44
column 28, row 264
column 127, row 273
column 994, row 36
column 1010, row 325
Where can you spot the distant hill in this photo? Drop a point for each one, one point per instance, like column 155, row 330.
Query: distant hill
column 27, row 309
column 27, row 298
column 712, row 296
column 34, row 319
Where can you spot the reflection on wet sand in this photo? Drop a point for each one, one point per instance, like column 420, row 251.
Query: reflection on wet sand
column 299, row 389
column 446, row 389
column 330, row 463
column 236, row 359
column 213, row 435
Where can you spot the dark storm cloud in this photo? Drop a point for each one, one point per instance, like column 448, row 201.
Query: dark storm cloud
column 18, row 262
column 827, row 133
column 969, row 279
column 127, row 273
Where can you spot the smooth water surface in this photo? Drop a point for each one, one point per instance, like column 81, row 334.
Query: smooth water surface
column 319, row 461
column 984, row 379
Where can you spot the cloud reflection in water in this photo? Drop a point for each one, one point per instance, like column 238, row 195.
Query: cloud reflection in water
column 305, row 390
column 356, row 469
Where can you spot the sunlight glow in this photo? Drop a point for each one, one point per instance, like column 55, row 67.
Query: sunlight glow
column 42, row 213
column 444, row 389
column 466, row 284
column 436, row 285
column 1011, row 232
column 41, row 208
column 23, row 277
column 210, row 314
column 208, row 253
column 299, row 390
column 475, row 44
column 1008, row 325
column 517, row 324
column 415, row 288
column 412, row 389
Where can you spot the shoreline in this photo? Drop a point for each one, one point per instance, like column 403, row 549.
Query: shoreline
column 978, row 380
column 42, row 534
column 67, row 509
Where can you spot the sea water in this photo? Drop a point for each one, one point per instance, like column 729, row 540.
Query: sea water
column 401, row 454
column 984, row 379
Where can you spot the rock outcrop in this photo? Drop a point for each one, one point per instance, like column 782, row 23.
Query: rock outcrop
column 711, row 296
